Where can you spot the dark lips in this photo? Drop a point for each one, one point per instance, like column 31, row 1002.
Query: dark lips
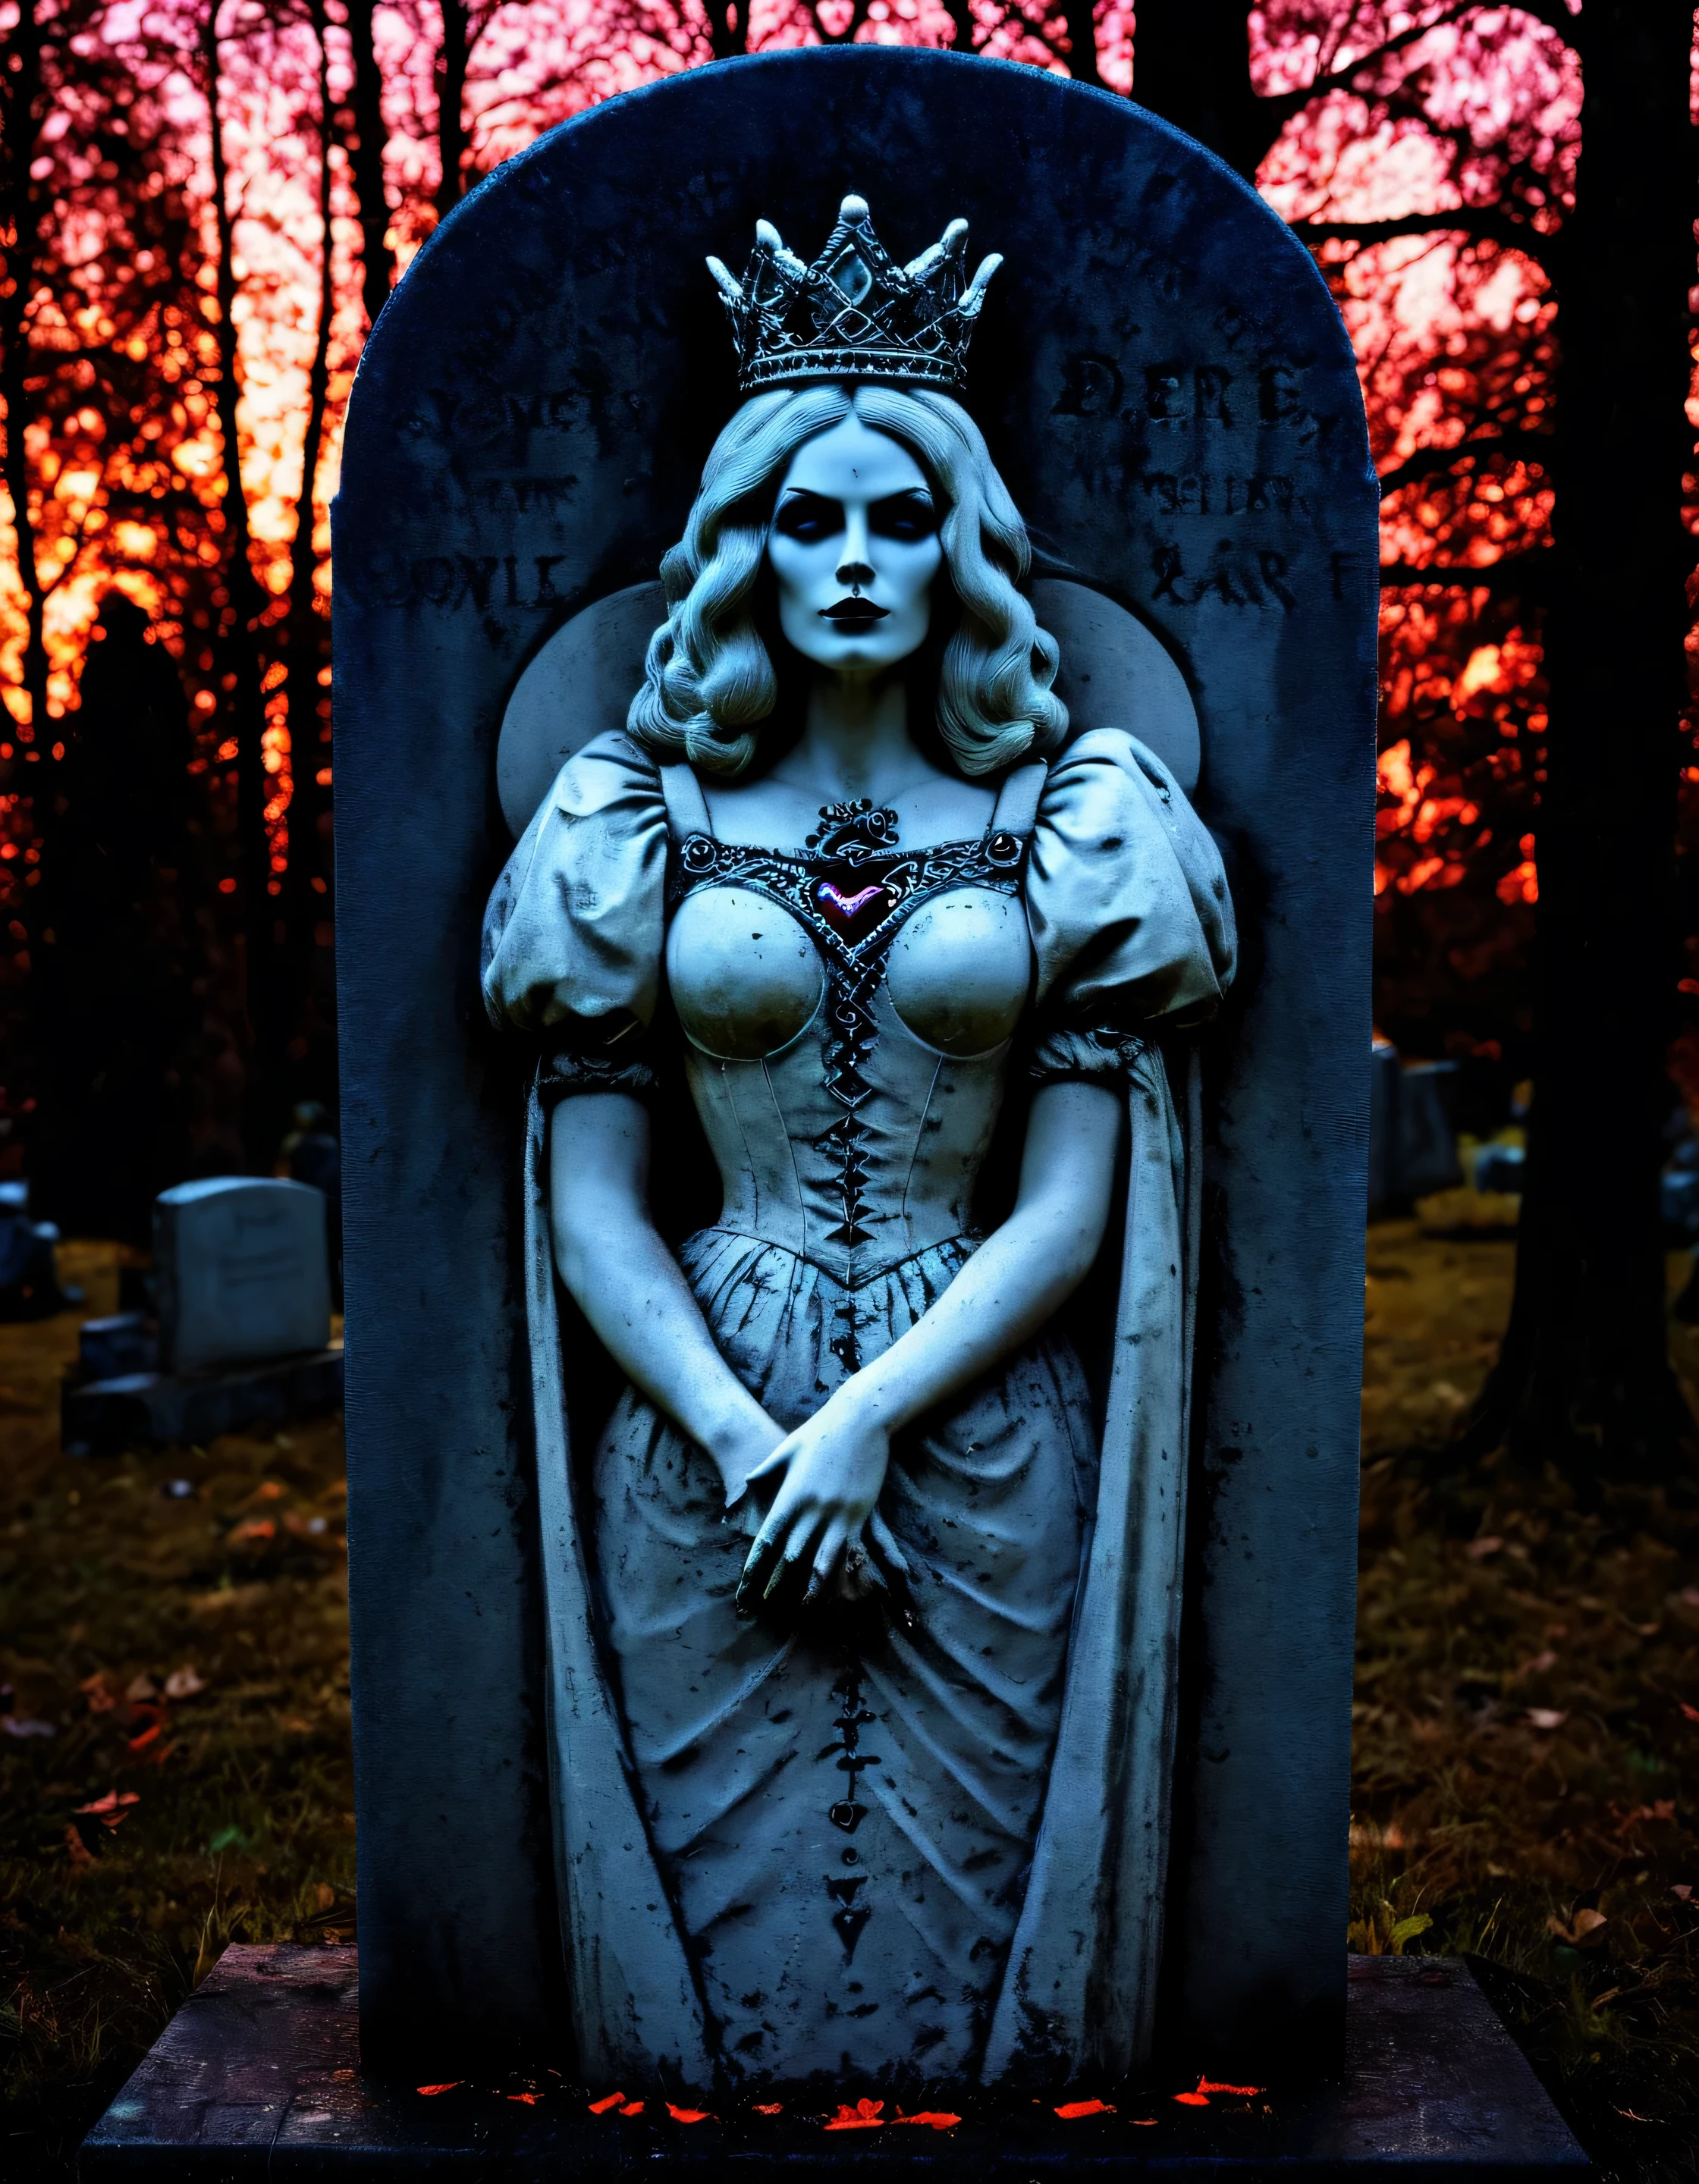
column 861, row 611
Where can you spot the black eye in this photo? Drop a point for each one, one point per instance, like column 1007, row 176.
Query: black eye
column 906, row 516
column 808, row 518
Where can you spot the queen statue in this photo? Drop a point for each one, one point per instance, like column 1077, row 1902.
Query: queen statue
column 862, row 1611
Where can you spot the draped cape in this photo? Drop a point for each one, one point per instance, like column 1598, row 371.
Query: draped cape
column 1133, row 936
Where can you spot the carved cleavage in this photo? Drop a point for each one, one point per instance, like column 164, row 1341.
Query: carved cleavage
column 747, row 978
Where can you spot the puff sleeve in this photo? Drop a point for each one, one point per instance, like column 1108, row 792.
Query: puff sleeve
column 574, row 930
column 1128, row 903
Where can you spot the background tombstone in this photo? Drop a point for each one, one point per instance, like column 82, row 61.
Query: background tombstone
column 243, row 1270
column 1164, row 381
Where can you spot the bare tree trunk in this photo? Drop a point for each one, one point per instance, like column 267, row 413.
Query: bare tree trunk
column 728, row 27
column 365, row 162
column 961, row 25
column 1191, row 63
column 307, row 648
column 23, row 209
column 453, row 57
column 1584, row 1376
column 1080, row 18
column 242, row 647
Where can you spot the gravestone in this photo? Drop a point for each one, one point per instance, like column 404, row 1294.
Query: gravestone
column 242, row 1271
column 241, row 1278
column 1167, row 388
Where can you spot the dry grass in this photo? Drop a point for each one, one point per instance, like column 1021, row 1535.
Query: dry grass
column 242, row 1825
column 1525, row 1766
column 1525, row 1770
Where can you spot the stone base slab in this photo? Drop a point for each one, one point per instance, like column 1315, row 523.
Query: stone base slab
column 257, row 2076
column 101, row 1415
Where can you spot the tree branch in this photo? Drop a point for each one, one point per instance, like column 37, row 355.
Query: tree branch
column 1426, row 462
column 1284, row 104
column 1484, row 224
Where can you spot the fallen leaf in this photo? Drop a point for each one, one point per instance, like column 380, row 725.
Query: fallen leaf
column 1479, row 1549
column 689, row 2116
column 1244, row 2093
column 1548, row 1717
column 607, row 2101
column 250, row 1530
column 1581, row 1929
column 1539, row 1665
column 1070, row 2110
column 81, row 1856
column 865, row 2115
column 934, row 2119
column 769, row 2108
column 1143, row 2123
column 184, row 1683
column 11, row 1724
column 448, row 2088
column 93, row 1688
column 1192, row 2100
column 268, row 1490
column 113, row 1808
column 152, row 1720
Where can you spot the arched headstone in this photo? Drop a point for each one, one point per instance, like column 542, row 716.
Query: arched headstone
column 1170, row 395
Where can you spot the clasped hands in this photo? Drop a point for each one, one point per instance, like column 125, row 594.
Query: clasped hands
column 828, row 1475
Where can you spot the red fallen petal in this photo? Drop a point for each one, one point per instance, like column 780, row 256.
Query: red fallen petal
column 1244, row 2093
column 1143, row 2123
column 938, row 2119
column 1691, row 1712
column 607, row 2101
column 448, row 2088
column 112, row 1801
column 631, row 2107
column 1192, row 2100
column 769, row 2108
column 1070, row 2110
column 689, row 2116
column 530, row 2099
column 865, row 2115
column 141, row 1743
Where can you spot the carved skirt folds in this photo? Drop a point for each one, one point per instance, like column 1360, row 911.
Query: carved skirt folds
column 843, row 1807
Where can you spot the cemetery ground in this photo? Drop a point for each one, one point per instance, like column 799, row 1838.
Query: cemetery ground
column 1527, row 1723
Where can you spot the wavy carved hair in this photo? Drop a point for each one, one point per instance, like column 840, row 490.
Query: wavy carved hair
column 709, row 680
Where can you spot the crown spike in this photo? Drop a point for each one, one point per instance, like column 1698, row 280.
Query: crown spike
column 973, row 295
column 726, row 283
column 854, row 314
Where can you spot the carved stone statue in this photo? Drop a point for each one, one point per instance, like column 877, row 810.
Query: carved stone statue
column 862, row 1615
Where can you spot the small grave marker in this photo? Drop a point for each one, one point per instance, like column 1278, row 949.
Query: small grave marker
column 242, row 1271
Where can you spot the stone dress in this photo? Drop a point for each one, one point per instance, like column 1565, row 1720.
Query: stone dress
column 843, row 1804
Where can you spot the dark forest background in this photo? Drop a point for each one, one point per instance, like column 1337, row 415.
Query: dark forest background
column 203, row 204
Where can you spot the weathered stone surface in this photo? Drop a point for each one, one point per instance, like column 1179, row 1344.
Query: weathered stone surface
column 258, row 2076
column 242, row 1271
column 195, row 1406
column 1167, row 390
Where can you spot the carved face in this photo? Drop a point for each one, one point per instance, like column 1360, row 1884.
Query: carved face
column 855, row 547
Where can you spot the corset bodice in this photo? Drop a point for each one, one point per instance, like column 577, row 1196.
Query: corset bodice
column 848, row 1022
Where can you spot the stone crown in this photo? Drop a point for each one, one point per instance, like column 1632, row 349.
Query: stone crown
column 854, row 314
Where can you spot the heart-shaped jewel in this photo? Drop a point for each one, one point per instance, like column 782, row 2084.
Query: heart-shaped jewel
column 847, row 910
